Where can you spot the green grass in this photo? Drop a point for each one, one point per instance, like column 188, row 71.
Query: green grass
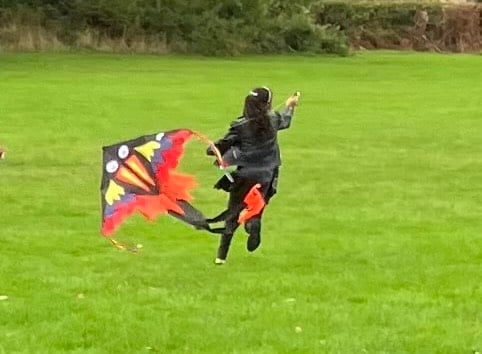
column 373, row 243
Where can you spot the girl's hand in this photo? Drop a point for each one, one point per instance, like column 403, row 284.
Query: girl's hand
column 292, row 101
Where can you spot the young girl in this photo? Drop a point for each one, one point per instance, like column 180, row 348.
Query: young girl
column 251, row 145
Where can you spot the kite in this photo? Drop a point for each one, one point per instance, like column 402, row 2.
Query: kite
column 139, row 175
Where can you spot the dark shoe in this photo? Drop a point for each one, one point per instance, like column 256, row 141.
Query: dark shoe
column 254, row 240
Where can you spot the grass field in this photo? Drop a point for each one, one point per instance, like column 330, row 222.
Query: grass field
column 373, row 244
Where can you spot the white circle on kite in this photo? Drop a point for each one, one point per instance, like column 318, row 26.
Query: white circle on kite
column 159, row 136
column 111, row 166
column 123, row 151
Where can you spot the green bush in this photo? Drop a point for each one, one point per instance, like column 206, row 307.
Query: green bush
column 209, row 27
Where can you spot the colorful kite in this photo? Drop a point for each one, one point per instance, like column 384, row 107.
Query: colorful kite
column 139, row 176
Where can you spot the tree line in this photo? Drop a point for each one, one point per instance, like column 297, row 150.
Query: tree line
column 210, row 27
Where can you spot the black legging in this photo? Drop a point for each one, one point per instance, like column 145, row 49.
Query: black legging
column 235, row 205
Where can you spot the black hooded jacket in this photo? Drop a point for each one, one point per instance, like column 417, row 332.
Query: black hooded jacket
column 244, row 148
column 257, row 159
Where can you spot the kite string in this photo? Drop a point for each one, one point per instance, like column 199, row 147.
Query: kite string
column 216, row 152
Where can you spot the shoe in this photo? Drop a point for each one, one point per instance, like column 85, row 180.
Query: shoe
column 219, row 261
column 253, row 243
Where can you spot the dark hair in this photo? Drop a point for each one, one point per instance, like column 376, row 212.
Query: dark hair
column 256, row 109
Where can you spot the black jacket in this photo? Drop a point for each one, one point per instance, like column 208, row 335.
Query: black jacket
column 257, row 160
column 242, row 147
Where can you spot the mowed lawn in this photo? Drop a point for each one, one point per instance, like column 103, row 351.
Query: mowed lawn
column 372, row 245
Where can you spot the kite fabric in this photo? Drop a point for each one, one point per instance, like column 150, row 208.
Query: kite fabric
column 253, row 203
column 139, row 175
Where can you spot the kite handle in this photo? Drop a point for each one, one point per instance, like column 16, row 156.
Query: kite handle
column 296, row 94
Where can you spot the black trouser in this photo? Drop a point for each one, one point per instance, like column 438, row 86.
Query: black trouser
column 235, row 204
column 236, row 197
column 252, row 226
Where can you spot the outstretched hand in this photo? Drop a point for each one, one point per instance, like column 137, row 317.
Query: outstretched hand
column 292, row 101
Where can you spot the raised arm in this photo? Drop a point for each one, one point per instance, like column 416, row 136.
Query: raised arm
column 283, row 120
